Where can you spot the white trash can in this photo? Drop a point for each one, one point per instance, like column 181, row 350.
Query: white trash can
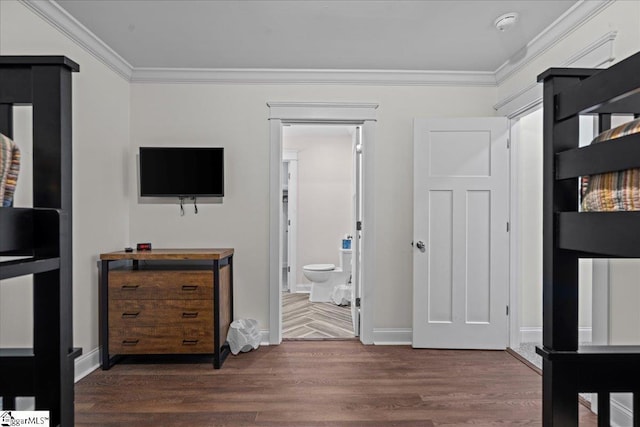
column 243, row 335
column 341, row 295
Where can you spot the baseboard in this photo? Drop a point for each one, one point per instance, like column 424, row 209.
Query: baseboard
column 264, row 337
column 392, row 336
column 303, row 288
column 87, row 363
column 530, row 334
column 534, row 334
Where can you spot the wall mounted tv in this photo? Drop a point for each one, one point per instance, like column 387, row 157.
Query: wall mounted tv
column 181, row 171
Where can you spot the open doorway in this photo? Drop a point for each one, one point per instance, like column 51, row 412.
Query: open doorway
column 362, row 115
column 527, row 166
column 320, row 201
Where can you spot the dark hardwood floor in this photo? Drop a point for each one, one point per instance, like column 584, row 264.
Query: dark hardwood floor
column 319, row 383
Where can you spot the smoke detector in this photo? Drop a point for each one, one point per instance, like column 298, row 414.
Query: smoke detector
column 505, row 22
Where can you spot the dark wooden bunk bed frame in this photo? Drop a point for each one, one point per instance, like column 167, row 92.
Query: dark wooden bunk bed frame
column 569, row 235
column 43, row 235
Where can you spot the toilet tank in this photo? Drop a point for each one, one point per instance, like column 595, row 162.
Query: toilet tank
column 345, row 259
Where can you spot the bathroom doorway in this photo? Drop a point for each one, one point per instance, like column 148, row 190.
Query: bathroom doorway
column 320, row 207
column 362, row 115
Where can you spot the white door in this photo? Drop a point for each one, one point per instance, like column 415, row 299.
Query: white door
column 357, row 232
column 461, row 244
column 292, row 221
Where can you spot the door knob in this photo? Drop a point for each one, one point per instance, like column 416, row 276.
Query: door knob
column 420, row 245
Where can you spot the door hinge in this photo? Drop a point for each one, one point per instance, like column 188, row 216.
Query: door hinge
column 508, row 143
column 288, row 222
column 358, row 225
column 288, row 269
column 357, row 302
column 507, row 310
column 508, row 227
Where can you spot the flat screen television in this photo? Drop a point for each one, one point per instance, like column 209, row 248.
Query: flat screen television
column 181, row 171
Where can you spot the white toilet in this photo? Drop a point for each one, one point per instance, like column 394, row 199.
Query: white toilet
column 324, row 277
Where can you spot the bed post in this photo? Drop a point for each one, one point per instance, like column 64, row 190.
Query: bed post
column 559, row 267
column 604, row 231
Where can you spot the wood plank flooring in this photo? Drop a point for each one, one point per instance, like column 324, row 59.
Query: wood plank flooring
column 319, row 383
column 314, row 320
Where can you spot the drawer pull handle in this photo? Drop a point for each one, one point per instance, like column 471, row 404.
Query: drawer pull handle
column 189, row 314
column 189, row 287
column 130, row 342
column 130, row 315
column 130, row 287
column 189, row 342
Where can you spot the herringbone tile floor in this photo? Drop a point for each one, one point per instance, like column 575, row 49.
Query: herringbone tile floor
column 304, row 319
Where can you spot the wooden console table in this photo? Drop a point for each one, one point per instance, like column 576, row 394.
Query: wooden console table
column 166, row 301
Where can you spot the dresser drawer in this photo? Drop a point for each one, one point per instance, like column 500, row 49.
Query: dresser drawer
column 141, row 284
column 160, row 340
column 144, row 312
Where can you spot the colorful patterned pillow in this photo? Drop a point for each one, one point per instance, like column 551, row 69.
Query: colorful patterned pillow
column 9, row 170
column 613, row 191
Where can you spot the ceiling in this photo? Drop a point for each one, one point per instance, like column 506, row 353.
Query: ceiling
column 451, row 35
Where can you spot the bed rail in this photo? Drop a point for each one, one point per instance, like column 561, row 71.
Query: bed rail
column 607, row 156
column 615, row 234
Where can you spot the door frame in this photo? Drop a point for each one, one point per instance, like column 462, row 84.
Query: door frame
column 515, row 105
column 599, row 268
column 283, row 113
column 356, row 276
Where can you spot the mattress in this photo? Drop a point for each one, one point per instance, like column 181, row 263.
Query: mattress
column 613, row 191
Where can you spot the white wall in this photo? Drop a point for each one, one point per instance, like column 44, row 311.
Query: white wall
column 325, row 188
column 529, row 210
column 235, row 116
column 624, row 293
column 529, row 178
column 108, row 131
column 100, row 165
column 112, row 119
column 624, row 317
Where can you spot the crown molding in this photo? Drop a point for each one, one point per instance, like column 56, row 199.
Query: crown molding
column 60, row 19
column 553, row 34
column 313, row 77
column 55, row 15
column 595, row 55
